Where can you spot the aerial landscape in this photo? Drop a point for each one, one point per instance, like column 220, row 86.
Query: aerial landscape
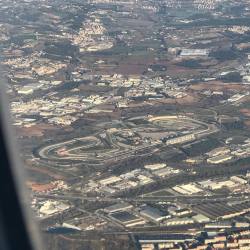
column 133, row 120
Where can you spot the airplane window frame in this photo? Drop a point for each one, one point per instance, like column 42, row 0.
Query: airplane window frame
column 18, row 229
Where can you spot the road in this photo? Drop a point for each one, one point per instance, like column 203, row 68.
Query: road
column 186, row 199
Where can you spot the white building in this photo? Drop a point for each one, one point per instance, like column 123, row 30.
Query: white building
column 110, row 180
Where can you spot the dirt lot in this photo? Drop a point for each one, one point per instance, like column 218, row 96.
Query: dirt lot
column 218, row 86
column 245, row 112
column 37, row 130
column 247, row 123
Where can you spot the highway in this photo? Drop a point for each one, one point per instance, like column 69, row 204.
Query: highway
column 186, row 199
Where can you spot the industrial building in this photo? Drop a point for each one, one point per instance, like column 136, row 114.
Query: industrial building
column 194, row 52
column 239, row 179
column 180, row 212
column 110, row 180
column 219, row 159
column 200, row 218
column 221, row 210
column 215, row 239
column 51, row 207
column 165, row 238
column 153, row 213
column 179, row 221
column 127, row 219
column 29, row 89
column 187, row 189
column 155, row 166
column 166, row 171
column 118, row 207
column 147, row 247
column 180, row 139
column 218, row 151
column 214, row 185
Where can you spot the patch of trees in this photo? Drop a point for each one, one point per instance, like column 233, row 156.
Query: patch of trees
column 59, row 48
column 193, row 64
column 231, row 77
column 224, row 55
